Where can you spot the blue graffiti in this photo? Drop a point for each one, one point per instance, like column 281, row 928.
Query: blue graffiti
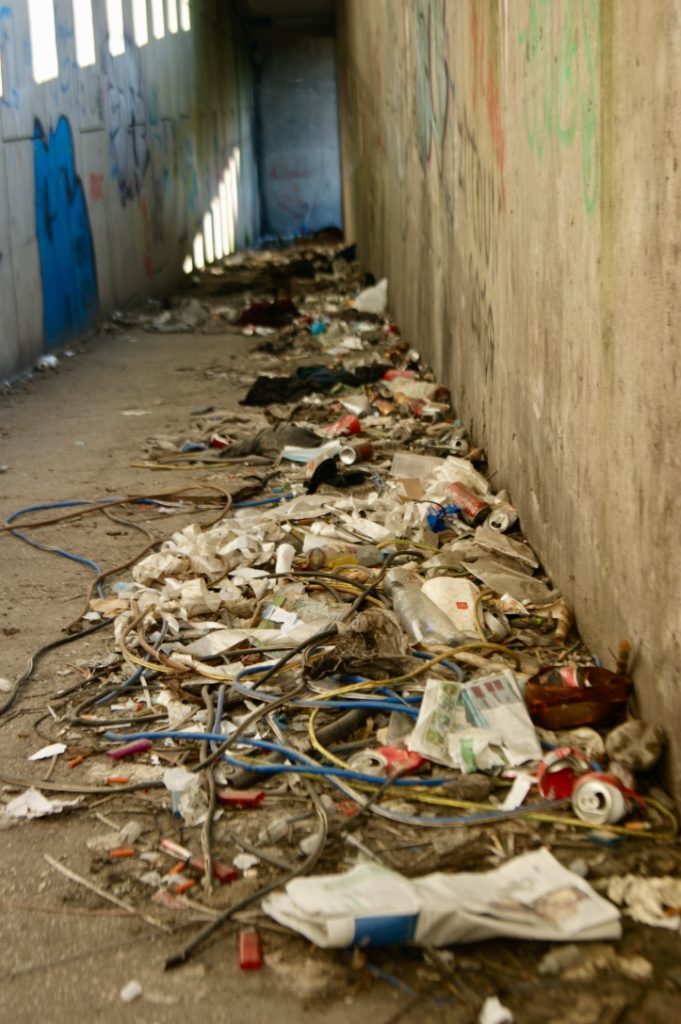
column 67, row 255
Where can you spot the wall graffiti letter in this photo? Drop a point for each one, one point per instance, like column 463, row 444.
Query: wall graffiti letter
column 432, row 78
column 67, row 255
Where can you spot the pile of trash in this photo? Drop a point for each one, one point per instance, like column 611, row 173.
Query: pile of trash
column 360, row 702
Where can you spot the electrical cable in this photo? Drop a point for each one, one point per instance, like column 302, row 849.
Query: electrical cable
column 35, row 657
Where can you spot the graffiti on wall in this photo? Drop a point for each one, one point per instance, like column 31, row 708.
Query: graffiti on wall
column 10, row 60
column 67, row 255
column 127, row 123
column 484, row 40
column 561, row 46
column 433, row 84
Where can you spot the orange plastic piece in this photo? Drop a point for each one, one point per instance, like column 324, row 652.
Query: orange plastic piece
column 122, row 851
column 75, row 761
column 117, row 780
column 185, row 886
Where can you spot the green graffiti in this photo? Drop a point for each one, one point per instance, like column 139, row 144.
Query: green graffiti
column 591, row 27
column 432, row 81
column 561, row 81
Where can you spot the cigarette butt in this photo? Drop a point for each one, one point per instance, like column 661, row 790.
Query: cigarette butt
column 75, row 761
column 122, row 851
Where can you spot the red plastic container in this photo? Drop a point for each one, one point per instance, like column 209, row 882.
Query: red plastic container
column 565, row 696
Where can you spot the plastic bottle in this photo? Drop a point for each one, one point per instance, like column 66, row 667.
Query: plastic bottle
column 328, row 557
column 422, row 619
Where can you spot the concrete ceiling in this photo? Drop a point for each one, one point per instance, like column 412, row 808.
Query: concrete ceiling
column 295, row 15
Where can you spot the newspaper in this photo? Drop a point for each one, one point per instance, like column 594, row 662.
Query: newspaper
column 477, row 726
column 531, row 897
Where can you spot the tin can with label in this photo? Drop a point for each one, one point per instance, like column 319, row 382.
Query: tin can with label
column 599, row 799
column 473, row 509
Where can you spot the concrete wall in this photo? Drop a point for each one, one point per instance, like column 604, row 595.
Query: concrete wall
column 298, row 135
column 107, row 172
column 513, row 167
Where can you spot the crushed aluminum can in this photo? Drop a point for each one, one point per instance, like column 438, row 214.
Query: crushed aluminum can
column 502, row 517
column 600, row 799
column 558, row 773
column 369, row 762
column 351, row 453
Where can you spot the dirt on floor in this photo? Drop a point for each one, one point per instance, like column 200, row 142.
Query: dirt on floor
column 84, row 431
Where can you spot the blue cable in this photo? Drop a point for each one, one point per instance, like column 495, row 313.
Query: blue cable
column 356, row 702
column 305, row 763
column 81, row 559
column 334, row 775
column 265, row 501
column 451, row 665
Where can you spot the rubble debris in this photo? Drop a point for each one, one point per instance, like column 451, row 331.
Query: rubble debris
column 358, row 667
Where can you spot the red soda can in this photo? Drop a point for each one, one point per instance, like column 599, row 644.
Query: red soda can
column 345, row 425
column 558, row 773
column 472, row 508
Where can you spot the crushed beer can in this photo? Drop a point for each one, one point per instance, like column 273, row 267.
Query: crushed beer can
column 601, row 799
column 559, row 772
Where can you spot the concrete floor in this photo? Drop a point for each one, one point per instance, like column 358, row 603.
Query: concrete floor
column 66, row 954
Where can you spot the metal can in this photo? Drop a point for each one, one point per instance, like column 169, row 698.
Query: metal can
column 351, row 453
column 558, row 773
column 459, row 445
column 369, row 762
column 472, row 507
column 599, row 799
column 503, row 517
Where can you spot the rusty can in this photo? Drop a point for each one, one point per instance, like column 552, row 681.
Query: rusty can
column 599, row 799
column 351, row 453
column 473, row 509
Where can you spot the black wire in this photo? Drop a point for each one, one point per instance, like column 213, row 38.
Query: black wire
column 207, row 830
column 37, row 655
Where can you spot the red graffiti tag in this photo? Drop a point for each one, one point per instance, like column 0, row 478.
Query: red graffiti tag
column 485, row 80
column 96, row 187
